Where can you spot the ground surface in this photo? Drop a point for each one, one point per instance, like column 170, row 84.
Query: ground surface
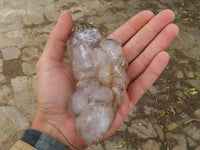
column 168, row 115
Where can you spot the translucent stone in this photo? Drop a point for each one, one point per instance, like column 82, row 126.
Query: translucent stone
column 99, row 67
column 93, row 123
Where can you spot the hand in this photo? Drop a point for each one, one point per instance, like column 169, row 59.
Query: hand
column 143, row 38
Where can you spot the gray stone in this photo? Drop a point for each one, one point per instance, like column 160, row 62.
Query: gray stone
column 51, row 13
column 13, row 2
column 5, row 92
column 131, row 114
column 16, row 34
column 30, row 54
column 6, row 10
column 37, row 19
column 184, row 61
column 195, row 51
column 133, row 111
column 189, row 40
column 35, row 16
column 179, row 74
column 19, row 4
column 27, row 20
column 197, row 113
column 150, row 110
column 189, row 74
column 34, row 85
column 77, row 16
column 116, row 143
column 159, row 131
column 15, row 26
column 20, row 83
column 28, row 68
column 2, row 20
column 2, row 78
column 194, row 82
column 178, row 43
column 153, row 90
column 193, row 131
column 128, row 118
column 14, row 115
column 11, row 101
column 1, row 65
column 14, row 19
column 45, row 29
column 178, row 85
column 13, row 136
column 42, row 38
column 1, row 2
column 197, row 73
column 179, row 141
column 96, row 147
column 25, row 95
column 185, row 117
column 122, row 127
column 50, row 1
column 172, row 126
column 198, row 148
column 151, row 145
column 4, row 42
column 10, row 53
column 143, row 129
column 6, row 127
column 182, row 144
column 191, row 143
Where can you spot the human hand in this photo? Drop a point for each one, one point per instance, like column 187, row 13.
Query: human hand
column 143, row 39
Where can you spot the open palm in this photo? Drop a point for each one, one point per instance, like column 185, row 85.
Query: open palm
column 143, row 38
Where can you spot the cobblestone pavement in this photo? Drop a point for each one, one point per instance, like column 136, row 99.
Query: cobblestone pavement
column 168, row 115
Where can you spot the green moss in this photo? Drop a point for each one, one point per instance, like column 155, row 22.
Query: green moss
column 6, row 130
column 162, row 114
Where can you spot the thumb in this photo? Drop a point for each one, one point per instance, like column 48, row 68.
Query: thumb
column 56, row 44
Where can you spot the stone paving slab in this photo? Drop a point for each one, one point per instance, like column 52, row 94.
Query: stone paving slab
column 168, row 115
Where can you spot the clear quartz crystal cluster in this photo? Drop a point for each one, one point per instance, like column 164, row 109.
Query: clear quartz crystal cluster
column 99, row 67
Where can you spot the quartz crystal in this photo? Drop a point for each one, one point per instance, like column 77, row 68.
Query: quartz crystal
column 99, row 67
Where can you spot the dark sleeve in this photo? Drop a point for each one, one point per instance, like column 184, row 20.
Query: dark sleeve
column 42, row 141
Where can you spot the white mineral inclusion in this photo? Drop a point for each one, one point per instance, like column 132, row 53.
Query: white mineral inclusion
column 99, row 67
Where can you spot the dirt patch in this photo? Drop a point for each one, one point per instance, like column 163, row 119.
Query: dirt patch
column 12, row 68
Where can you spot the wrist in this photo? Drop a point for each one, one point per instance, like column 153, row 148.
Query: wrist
column 40, row 141
column 44, row 126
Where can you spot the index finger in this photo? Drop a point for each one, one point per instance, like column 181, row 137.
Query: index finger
column 131, row 27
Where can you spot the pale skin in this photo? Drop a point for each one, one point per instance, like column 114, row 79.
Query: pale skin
column 143, row 39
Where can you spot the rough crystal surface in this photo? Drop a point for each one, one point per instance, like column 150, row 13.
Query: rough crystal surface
column 99, row 67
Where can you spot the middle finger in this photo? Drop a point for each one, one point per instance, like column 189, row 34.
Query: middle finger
column 138, row 42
